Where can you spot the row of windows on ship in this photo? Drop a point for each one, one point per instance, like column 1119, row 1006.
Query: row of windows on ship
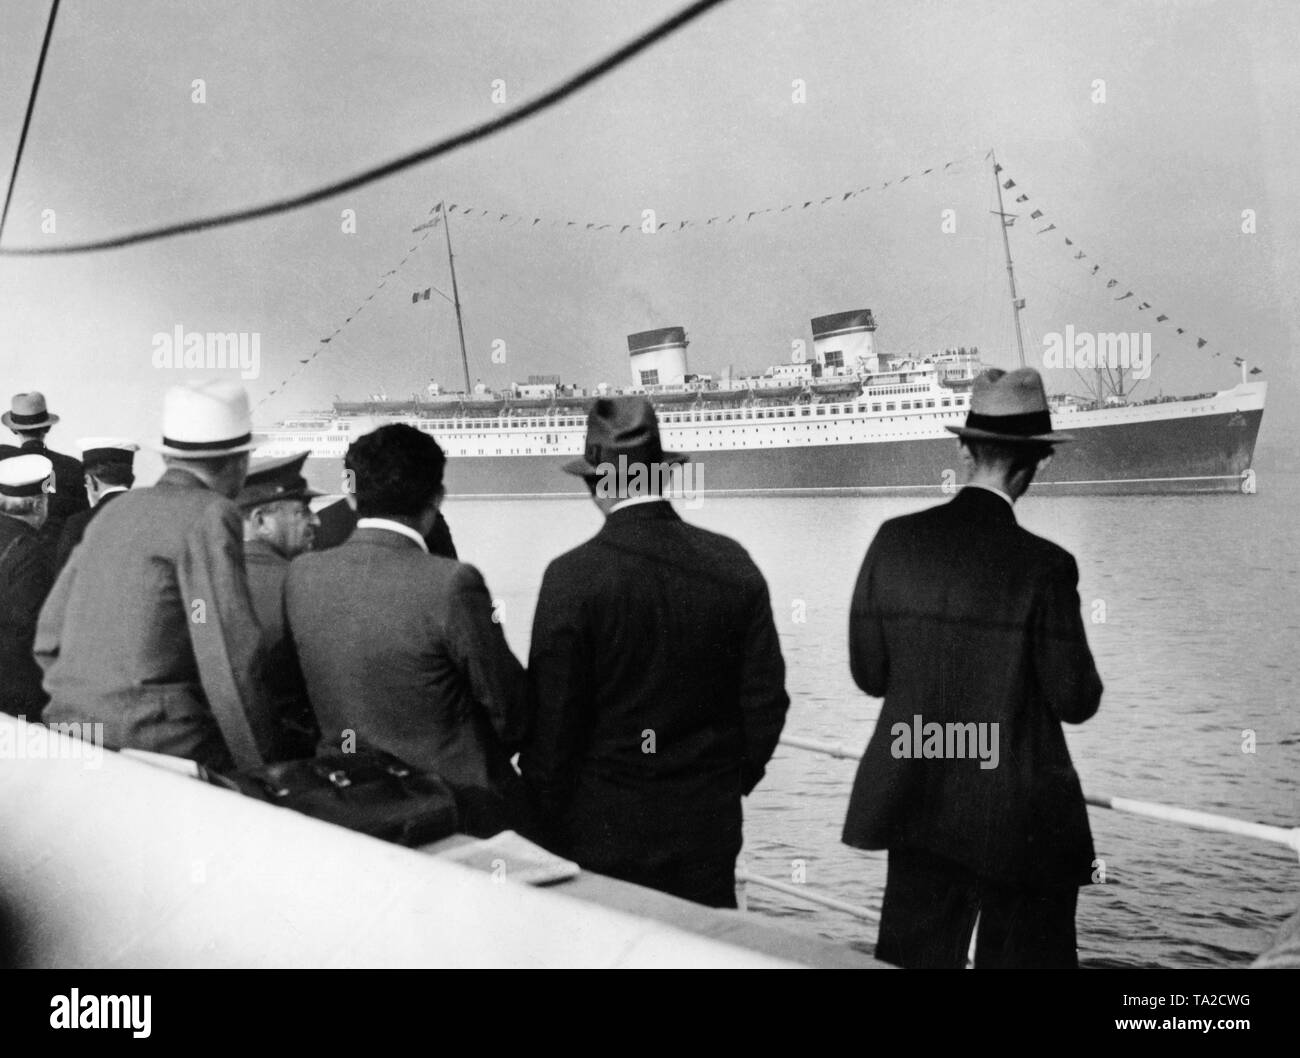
column 720, row 415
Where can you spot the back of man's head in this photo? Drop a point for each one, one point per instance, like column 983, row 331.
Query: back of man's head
column 1006, row 456
column 224, row 474
column 396, row 471
column 30, row 509
column 110, row 475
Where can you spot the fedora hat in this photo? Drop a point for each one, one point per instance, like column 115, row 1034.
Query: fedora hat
column 624, row 427
column 275, row 479
column 27, row 411
column 206, row 420
column 1009, row 406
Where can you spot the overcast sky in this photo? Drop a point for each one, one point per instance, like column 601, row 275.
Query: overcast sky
column 1198, row 124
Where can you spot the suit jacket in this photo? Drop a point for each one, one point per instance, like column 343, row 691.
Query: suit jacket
column 69, row 495
column 400, row 648
column 657, row 691
column 150, row 629
column 25, row 580
column 267, row 570
column 75, row 528
column 339, row 519
column 960, row 616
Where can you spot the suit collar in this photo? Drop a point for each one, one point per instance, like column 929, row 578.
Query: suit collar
column 989, row 488
column 381, row 538
column 394, row 528
column 176, row 478
column 660, row 511
column 260, row 550
column 16, row 526
column 640, row 514
column 983, row 503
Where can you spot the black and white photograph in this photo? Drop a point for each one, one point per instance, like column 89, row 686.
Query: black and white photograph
column 650, row 485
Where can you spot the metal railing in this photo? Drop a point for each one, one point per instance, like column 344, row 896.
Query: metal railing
column 1288, row 836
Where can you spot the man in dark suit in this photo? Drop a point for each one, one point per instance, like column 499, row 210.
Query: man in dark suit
column 149, row 630
column 399, row 647
column 30, row 420
column 970, row 628
column 657, row 686
column 278, row 526
column 109, row 464
column 25, row 579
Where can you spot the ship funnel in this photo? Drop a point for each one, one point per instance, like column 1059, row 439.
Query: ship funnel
column 658, row 358
column 846, row 340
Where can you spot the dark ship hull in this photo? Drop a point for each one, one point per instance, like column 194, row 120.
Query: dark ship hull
column 1204, row 453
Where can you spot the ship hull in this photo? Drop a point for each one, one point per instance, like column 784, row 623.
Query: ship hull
column 1204, row 453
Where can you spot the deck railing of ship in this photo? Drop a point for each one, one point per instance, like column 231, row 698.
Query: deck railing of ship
column 1287, row 836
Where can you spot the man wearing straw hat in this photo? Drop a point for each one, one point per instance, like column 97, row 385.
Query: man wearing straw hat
column 657, row 686
column 25, row 578
column 30, row 419
column 150, row 628
column 969, row 627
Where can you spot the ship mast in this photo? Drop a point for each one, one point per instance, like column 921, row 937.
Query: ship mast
column 455, row 294
column 1017, row 303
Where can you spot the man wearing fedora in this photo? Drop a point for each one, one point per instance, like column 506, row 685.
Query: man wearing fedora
column 400, row 648
column 150, row 628
column 657, row 687
column 30, row 420
column 109, row 465
column 963, row 620
column 25, row 578
column 279, row 525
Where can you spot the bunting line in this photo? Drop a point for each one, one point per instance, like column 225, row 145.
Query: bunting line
column 677, row 225
column 1095, row 270
column 427, row 229
column 652, row 224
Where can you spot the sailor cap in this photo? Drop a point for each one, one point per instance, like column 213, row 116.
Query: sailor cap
column 97, row 450
column 25, row 475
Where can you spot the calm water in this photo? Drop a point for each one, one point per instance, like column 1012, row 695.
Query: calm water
column 1202, row 615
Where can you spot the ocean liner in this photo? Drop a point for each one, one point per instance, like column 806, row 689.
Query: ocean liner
column 844, row 418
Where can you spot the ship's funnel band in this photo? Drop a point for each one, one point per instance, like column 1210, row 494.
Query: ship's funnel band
column 843, row 323
column 660, row 338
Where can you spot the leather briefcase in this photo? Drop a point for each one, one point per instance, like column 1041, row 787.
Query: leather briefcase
column 368, row 791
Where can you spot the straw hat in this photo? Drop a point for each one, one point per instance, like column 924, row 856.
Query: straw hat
column 206, row 420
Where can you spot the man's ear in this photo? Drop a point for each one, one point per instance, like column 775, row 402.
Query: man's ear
column 1042, row 463
column 967, row 460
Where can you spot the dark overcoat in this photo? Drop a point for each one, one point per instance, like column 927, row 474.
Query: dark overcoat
column 657, row 690
column 960, row 616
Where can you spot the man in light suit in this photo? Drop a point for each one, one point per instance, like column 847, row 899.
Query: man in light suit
column 400, row 648
column 150, row 629
column 969, row 627
column 279, row 525
column 657, row 686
